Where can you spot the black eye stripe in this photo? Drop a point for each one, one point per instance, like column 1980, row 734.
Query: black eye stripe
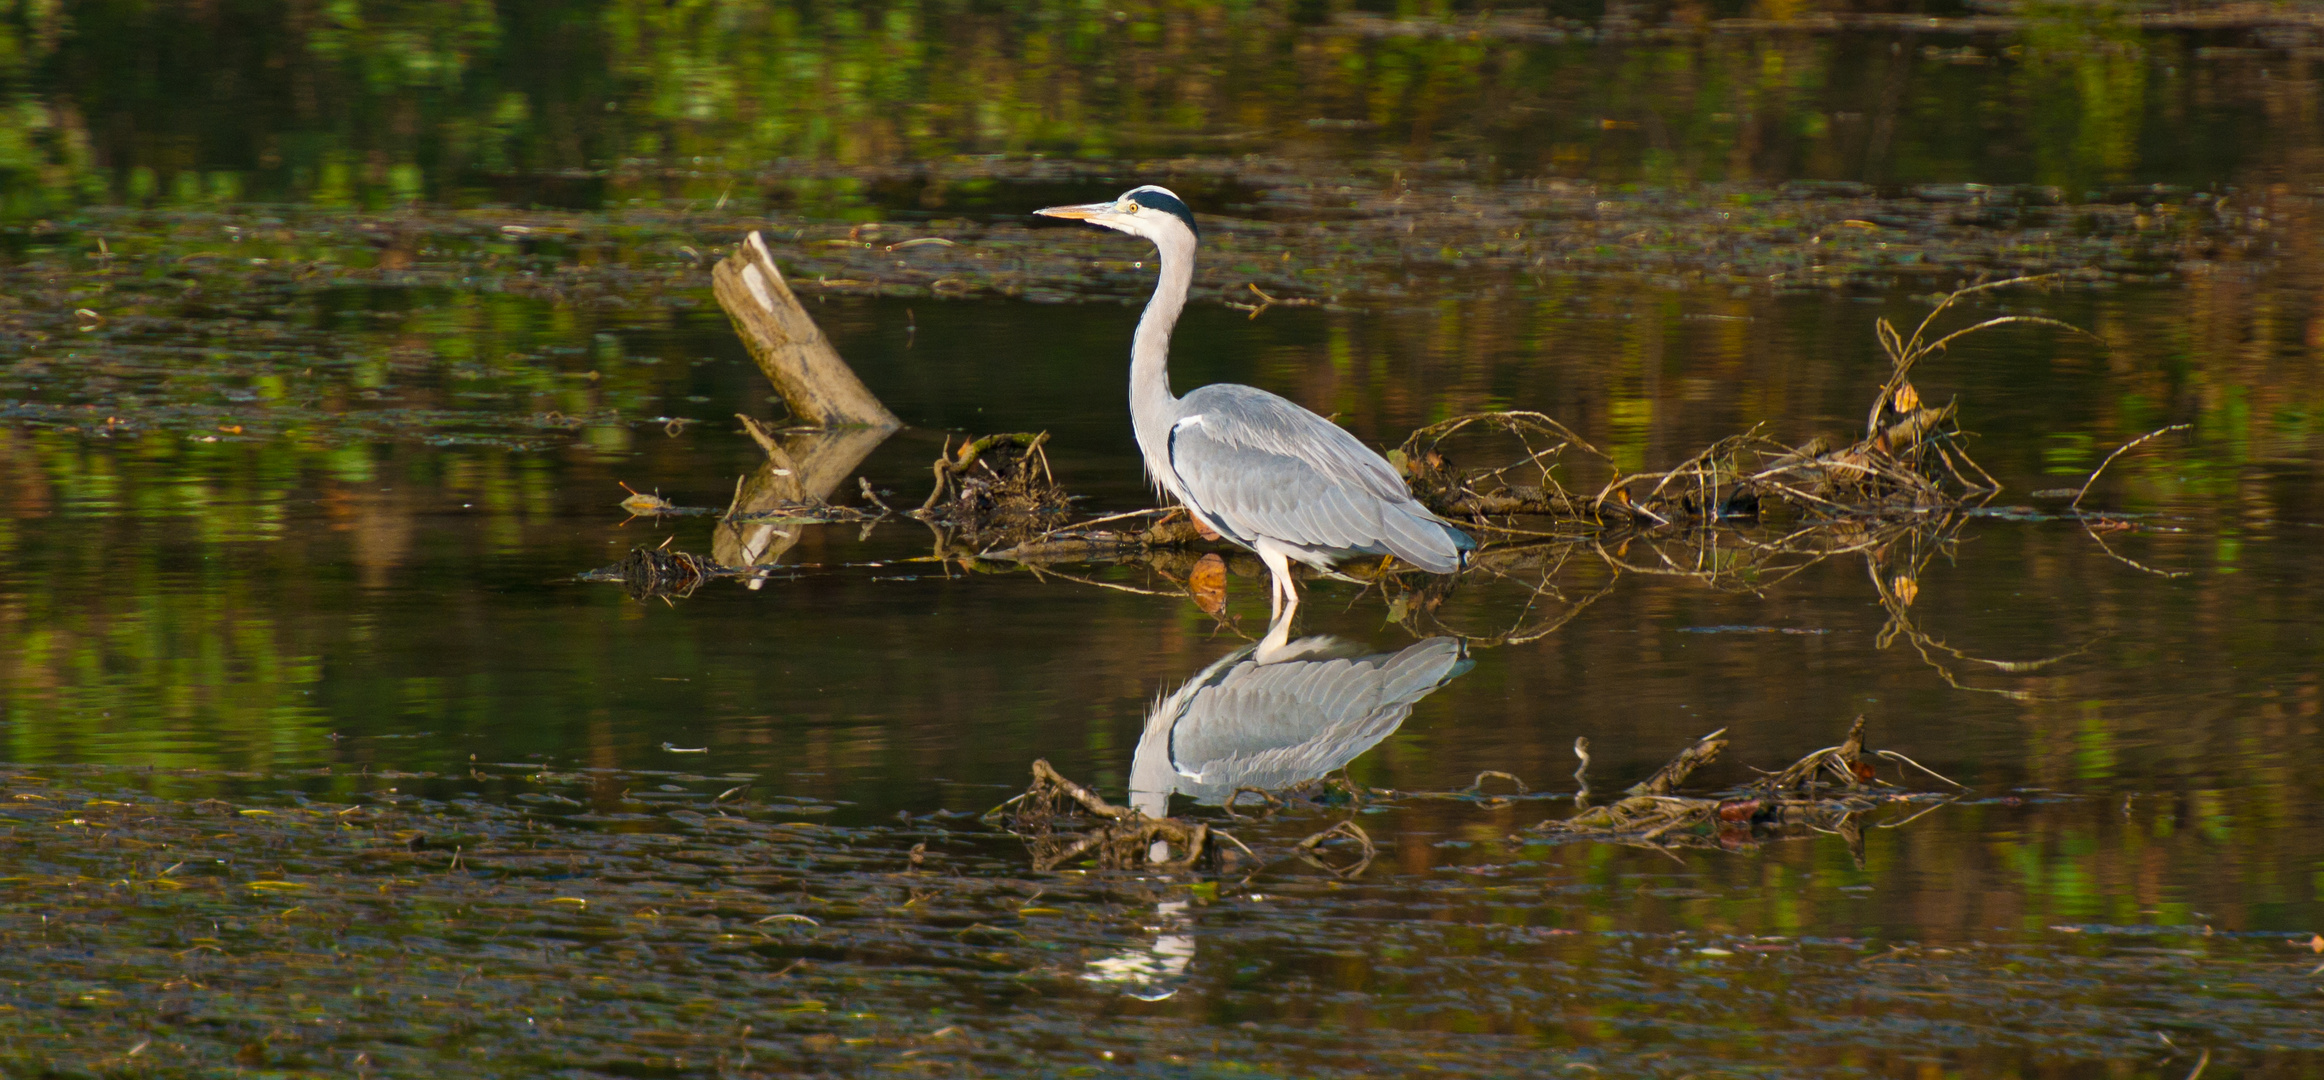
column 1157, row 199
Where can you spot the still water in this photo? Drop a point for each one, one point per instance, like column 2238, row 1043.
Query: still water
column 329, row 340
column 314, row 615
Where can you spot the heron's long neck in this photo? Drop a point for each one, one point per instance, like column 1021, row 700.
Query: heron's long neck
column 1152, row 407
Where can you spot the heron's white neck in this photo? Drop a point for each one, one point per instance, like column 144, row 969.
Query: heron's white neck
column 1152, row 407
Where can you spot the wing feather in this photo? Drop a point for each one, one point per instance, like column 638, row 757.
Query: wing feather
column 1259, row 465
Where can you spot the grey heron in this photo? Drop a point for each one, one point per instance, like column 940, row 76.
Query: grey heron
column 1253, row 466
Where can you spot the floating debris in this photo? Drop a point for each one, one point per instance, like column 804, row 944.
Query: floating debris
column 995, row 487
column 639, row 504
column 1827, row 792
column 1831, row 791
column 1122, row 837
column 1911, row 460
column 651, row 573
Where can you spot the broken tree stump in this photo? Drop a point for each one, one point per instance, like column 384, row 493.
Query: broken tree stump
column 820, row 388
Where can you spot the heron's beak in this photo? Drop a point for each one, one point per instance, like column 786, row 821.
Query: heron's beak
column 1077, row 213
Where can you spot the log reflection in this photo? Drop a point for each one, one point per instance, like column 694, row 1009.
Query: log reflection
column 802, row 468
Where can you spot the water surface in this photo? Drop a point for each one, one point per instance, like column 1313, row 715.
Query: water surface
column 349, row 613
column 321, row 391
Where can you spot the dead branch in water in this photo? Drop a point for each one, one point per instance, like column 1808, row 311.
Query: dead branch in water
column 1124, row 837
column 1825, row 792
column 1675, row 772
column 1310, row 849
column 2118, row 452
column 1489, row 493
column 993, row 488
column 1911, row 460
column 661, row 573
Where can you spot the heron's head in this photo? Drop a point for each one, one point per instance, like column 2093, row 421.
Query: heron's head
column 1152, row 212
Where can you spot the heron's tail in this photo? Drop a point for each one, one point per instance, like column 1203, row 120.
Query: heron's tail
column 1426, row 540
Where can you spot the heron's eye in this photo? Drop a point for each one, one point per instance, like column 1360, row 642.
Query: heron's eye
column 1128, row 206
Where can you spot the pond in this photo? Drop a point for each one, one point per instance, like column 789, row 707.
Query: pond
column 324, row 755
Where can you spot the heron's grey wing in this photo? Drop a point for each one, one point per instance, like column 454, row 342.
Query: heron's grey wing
column 1258, row 465
column 1276, row 725
column 1249, row 418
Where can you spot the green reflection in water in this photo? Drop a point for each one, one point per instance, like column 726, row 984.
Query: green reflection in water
column 375, row 104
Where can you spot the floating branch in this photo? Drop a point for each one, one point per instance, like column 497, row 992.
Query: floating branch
column 1911, row 460
column 993, row 488
column 1123, row 836
column 1667, row 779
column 1824, row 792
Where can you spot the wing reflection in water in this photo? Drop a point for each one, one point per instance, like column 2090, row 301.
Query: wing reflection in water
column 1271, row 715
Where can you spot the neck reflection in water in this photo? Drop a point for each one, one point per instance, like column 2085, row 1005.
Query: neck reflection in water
column 1271, row 715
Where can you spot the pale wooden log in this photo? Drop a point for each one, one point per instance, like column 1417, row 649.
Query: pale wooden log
column 820, row 388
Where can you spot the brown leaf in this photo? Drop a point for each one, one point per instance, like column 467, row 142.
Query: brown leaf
column 1208, row 583
column 1907, row 399
column 1906, row 589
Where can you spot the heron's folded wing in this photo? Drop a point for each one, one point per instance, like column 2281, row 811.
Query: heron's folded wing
column 1262, row 466
column 1246, row 418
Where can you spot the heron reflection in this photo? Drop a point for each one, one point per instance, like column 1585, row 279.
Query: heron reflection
column 1278, row 714
column 1275, row 714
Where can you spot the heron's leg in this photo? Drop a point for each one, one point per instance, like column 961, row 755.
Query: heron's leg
column 1283, row 596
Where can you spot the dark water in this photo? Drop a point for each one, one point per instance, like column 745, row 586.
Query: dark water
column 236, row 605
column 384, row 308
column 399, row 608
